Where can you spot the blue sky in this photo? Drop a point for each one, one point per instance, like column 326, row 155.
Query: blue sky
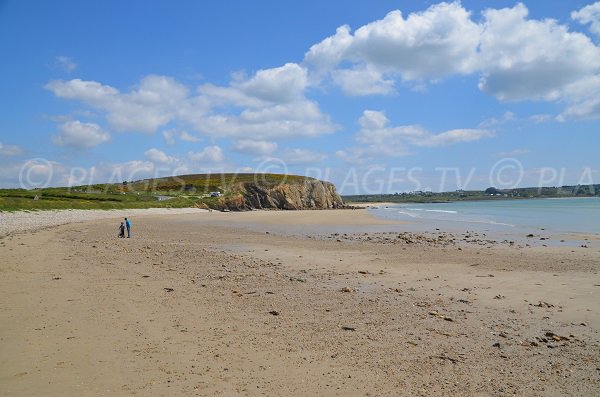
column 378, row 96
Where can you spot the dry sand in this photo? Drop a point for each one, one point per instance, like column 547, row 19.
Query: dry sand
column 272, row 303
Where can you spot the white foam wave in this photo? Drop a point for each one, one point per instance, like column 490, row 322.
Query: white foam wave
column 409, row 214
column 444, row 211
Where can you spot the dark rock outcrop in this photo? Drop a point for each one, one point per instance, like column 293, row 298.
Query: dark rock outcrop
column 297, row 195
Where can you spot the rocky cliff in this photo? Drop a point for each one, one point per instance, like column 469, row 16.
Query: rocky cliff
column 296, row 195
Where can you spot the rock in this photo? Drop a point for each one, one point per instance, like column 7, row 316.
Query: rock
column 498, row 345
column 556, row 337
column 291, row 194
column 274, row 312
column 347, row 289
column 348, row 328
column 168, row 289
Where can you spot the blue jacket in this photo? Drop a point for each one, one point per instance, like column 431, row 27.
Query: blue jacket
column 127, row 223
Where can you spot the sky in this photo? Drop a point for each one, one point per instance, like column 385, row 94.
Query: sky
column 377, row 97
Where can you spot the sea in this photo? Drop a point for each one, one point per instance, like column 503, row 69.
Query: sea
column 560, row 215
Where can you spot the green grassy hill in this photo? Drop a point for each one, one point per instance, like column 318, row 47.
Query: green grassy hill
column 169, row 192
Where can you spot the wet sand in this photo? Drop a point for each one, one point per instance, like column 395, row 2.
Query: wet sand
column 293, row 303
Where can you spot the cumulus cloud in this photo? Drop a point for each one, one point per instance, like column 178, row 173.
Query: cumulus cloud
column 10, row 150
column 250, row 146
column 277, row 85
column 589, row 14
column 432, row 44
column 531, row 59
column 273, row 105
column 210, row 154
column 517, row 58
column 147, row 107
column 583, row 99
column 378, row 139
column 80, row 135
column 362, row 81
column 158, row 156
column 269, row 104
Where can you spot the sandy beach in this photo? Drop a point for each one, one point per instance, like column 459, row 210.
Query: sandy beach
column 274, row 303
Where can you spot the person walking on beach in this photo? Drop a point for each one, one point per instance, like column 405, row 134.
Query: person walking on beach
column 122, row 230
column 128, row 225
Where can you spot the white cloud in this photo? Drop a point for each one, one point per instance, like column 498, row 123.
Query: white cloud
column 158, row 156
column 296, row 119
column 277, row 85
column 379, row 139
column 452, row 137
column 362, row 81
column 531, row 59
column 80, row 135
column 517, row 58
column 171, row 135
column 250, row 146
column 10, row 150
column 589, row 14
column 66, row 63
column 128, row 171
column 432, row 44
column 210, row 154
column 331, row 51
column 301, row 157
column 583, row 98
column 270, row 104
column 186, row 137
column 152, row 104
column 507, row 117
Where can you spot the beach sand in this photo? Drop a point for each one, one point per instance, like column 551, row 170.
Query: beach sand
column 307, row 303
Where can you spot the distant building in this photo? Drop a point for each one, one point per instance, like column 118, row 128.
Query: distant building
column 215, row 194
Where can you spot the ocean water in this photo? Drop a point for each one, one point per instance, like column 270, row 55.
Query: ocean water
column 565, row 215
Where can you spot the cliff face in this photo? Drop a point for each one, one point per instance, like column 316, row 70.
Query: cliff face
column 307, row 194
